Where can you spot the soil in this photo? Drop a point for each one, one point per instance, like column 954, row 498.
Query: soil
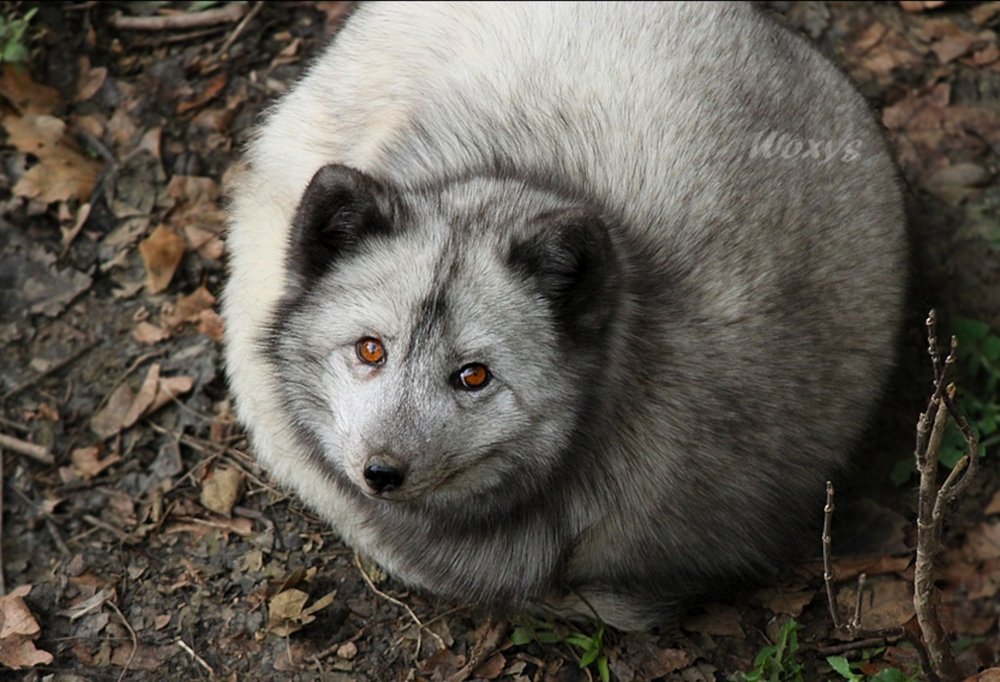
column 151, row 546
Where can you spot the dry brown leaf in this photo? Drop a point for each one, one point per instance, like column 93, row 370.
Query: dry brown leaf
column 347, row 651
column 790, row 602
column 660, row 662
column 168, row 389
column 202, row 527
column 718, row 619
column 188, row 308
column 886, row 602
column 983, row 542
column 988, row 55
column 161, row 253
column 125, row 408
column 18, row 628
column 15, row 616
column 952, row 184
column 213, row 88
column 207, row 243
column 991, row 675
column 920, row 5
column 285, row 612
column 26, row 95
column 197, row 213
column 144, row 398
column 984, row 12
column 850, row 567
column 62, row 172
column 148, row 333
column 90, row 80
column 993, row 506
column 109, row 419
column 492, row 667
column 87, row 461
column 145, row 657
column 82, row 607
column 222, row 490
column 121, row 129
column 957, row 44
column 289, row 54
column 210, row 324
column 879, row 50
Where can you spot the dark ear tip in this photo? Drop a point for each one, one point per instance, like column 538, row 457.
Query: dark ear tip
column 339, row 209
column 336, row 175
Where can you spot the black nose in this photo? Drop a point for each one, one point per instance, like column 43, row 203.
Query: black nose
column 384, row 474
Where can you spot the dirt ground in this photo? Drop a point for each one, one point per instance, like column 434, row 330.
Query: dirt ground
column 140, row 540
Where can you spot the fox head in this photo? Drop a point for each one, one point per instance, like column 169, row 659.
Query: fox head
column 440, row 342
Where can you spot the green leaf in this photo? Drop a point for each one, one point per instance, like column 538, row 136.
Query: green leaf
column 969, row 330
column 991, row 348
column 579, row 640
column 602, row 669
column 522, row 636
column 546, row 637
column 589, row 656
column 889, row 675
column 842, row 666
column 902, row 472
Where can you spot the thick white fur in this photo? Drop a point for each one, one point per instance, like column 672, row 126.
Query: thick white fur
column 677, row 100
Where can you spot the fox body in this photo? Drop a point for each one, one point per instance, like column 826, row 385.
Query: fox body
column 552, row 304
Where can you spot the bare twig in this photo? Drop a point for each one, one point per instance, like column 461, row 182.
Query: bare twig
column 104, row 525
column 931, row 504
column 3, row 582
column 57, row 538
column 827, row 564
column 855, row 625
column 240, row 27
column 131, row 632
column 487, row 642
column 171, row 22
column 23, row 447
column 51, row 370
column 197, row 659
column 392, row 600
column 835, row 649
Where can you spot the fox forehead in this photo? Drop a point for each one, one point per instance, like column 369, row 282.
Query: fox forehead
column 418, row 289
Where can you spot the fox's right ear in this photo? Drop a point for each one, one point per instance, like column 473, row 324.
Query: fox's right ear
column 340, row 208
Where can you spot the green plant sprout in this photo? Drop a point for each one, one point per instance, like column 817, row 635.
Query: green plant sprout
column 591, row 646
column 13, row 48
column 778, row 662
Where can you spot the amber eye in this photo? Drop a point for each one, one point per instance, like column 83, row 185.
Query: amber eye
column 370, row 351
column 472, row 377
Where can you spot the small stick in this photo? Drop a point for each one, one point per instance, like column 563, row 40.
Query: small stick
column 131, row 632
column 104, row 525
column 850, row 646
column 23, row 447
column 827, row 565
column 197, row 659
column 51, row 370
column 57, row 537
column 392, row 600
column 3, row 582
column 224, row 15
column 855, row 624
column 240, row 27
column 939, row 662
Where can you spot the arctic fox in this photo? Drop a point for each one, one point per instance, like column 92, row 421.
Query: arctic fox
column 570, row 306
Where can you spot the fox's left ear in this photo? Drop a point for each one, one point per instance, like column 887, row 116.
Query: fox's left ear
column 340, row 208
column 572, row 262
